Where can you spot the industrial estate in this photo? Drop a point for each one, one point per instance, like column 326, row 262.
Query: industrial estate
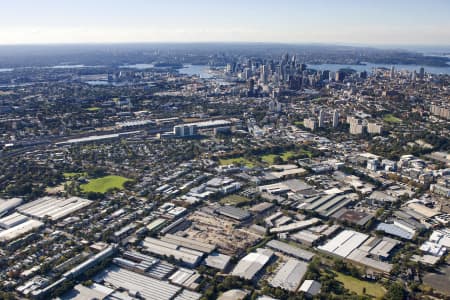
column 225, row 172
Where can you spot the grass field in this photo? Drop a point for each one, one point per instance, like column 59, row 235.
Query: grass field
column 268, row 158
column 234, row 200
column 285, row 156
column 70, row 175
column 103, row 184
column 93, row 108
column 237, row 161
column 353, row 284
column 306, row 152
column 391, row 119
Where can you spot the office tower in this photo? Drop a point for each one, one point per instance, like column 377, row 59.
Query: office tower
column 303, row 67
column 335, row 119
column 321, row 118
column 278, row 70
column 285, row 58
column 272, row 67
column 251, row 87
column 422, row 73
column 284, row 74
column 247, row 73
column 363, row 75
column 392, row 75
column 184, row 130
column 414, row 76
column 331, row 76
column 264, row 74
column 295, row 83
column 229, row 68
column 339, row 76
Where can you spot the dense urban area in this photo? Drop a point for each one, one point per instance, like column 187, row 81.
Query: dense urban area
column 224, row 172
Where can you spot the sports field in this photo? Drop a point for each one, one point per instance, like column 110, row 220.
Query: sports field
column 104, row 184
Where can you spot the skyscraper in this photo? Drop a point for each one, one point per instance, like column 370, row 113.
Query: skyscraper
column 339, row 76
column 251, row 87
column 422, row 73
column 247, row 73
column 264, row 74
column 321, row 118
column 335, row 119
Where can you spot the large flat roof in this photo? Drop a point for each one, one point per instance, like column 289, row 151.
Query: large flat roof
column 233, row 212
column 290, row 275
column 53, row 207
column 295, row 226
column 395, row 230
column 149, row 288
column 210, row 123
column 8, row 204
column 188, row 243
column 18, row 230
column 290, row 250
column 158, row 247
column 252, row 263
column 344, row 243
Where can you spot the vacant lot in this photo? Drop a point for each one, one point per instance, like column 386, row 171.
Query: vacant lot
column 440, row 282
column 234, row 200
column 355, row 285
column 103, row 184
column 207, row 228
column 237, row 161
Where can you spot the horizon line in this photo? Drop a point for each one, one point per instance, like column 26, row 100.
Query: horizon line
column 347, row 44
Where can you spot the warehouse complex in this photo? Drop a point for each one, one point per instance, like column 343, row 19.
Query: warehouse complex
column 54, row 208
column 290, row 275
column 249, row 266
column 362, row 249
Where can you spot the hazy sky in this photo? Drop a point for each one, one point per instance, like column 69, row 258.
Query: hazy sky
column 292, row 21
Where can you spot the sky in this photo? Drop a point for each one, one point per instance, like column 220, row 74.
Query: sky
column 366, row 22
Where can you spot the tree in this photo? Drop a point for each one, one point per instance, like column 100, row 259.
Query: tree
column 277, row 160
column 395, row 292
column 88, row 283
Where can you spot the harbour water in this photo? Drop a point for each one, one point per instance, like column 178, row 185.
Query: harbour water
column 200, row 70
column 369, row 67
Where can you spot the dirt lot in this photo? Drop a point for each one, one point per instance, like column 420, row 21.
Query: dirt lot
column 215, row 230
column 440, row 282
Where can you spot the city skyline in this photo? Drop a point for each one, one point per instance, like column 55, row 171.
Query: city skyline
column 204, row 149
column 344, row 22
